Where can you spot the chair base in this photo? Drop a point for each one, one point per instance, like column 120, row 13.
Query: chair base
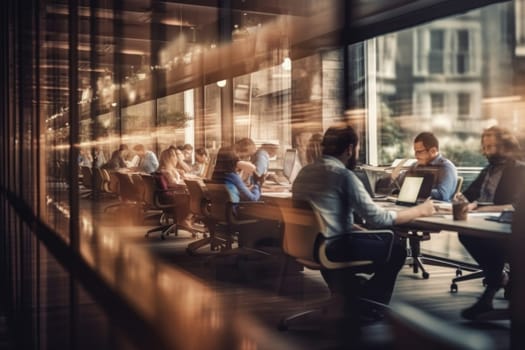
column 165, row 230
column 216, row 243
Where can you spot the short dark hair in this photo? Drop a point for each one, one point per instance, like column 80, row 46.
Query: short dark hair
column 201, row 151
column 428, row 139
column 336, row 140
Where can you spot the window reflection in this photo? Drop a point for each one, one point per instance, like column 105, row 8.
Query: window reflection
column 441, row 77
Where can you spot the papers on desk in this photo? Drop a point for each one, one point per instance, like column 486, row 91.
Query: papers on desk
column 443, row 206
column 281, row 194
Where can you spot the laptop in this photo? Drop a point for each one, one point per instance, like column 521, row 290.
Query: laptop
column 414, row 190
column 291, row 168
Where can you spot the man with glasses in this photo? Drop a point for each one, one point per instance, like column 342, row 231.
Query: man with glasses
column 426, row 150
column 500, row 185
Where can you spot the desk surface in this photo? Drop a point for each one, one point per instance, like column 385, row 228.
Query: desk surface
column 475, row 225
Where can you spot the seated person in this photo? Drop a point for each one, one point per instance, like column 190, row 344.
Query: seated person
column 116, row 161
column 501, row 183
column 148, row 160
column 426, row 150
column 261, row 160
column 187, row 151
column 201, row 162
column 182, row 166
column 245, row 148
column 171, row 178
column 336, row 193
column 264, row 232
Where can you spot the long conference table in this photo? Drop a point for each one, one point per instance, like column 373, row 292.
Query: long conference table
column 475, row 225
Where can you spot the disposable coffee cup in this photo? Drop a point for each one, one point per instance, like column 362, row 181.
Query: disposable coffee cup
column 459, row 210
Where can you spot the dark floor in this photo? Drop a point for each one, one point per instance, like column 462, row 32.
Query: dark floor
column 257, row 295
column 251, row 290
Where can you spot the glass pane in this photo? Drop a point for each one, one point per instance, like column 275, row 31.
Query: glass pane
column 474, row 90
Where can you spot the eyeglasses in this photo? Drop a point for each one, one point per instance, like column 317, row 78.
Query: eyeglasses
column 420, row 151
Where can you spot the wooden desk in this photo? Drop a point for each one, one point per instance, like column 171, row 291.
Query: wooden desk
column 475, row 225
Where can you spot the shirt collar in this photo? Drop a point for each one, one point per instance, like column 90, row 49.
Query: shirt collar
column 436, row 160
column 333, row 161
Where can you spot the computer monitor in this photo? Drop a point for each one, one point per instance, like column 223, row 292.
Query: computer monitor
column 288, row 162
column 291, row 164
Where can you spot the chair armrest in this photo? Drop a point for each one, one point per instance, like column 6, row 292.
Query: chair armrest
column 369, row 246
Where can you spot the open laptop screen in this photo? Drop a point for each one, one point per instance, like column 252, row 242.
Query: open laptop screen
column 408, row 194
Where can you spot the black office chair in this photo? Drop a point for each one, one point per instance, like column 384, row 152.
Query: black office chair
column 417, row 260
column 221, row 220
column 158, row 198
column 87, row 182
column 304, row 242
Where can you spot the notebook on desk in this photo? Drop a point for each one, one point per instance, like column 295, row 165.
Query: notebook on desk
column 415, row 189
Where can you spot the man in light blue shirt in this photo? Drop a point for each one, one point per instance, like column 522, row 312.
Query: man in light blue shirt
column 261, row 158
column 426, row 150
column 148, row 160
column 337, row 194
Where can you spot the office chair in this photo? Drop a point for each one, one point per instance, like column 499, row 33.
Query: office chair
column 304, row 242
column 87, row 182
column 414, row 242
column 199, row 208
column 224, row 226
column 130, row 198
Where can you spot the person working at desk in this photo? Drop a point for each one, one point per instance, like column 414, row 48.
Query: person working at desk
column 337, row 193
column 261, row 160
column 148, row 160
column 261, row 233
column 426, row 150
column 500, row 183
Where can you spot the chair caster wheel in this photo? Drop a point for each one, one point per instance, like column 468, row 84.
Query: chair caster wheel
column 426, row 275
column 453, row 288
column 459, row 273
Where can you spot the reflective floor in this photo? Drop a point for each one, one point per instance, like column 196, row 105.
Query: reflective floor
column 201, row 301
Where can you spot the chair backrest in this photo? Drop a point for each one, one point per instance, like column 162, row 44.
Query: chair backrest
column 87, row 177
column 221, row 206
column 149, row 188
column 302, row 229
column 459, row 185
column 199, row 202
column 114, row 185
column 128, row 191
column 101, row 179
column 303, row 237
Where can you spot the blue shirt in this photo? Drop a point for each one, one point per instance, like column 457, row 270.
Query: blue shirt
column 150, row 163
column 337, row 193
column 446, row 181
column 261, row 159
column 238, row 189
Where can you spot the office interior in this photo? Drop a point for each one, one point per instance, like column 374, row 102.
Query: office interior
column 78, row 75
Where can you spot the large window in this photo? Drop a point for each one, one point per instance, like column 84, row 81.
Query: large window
column 447, row 80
